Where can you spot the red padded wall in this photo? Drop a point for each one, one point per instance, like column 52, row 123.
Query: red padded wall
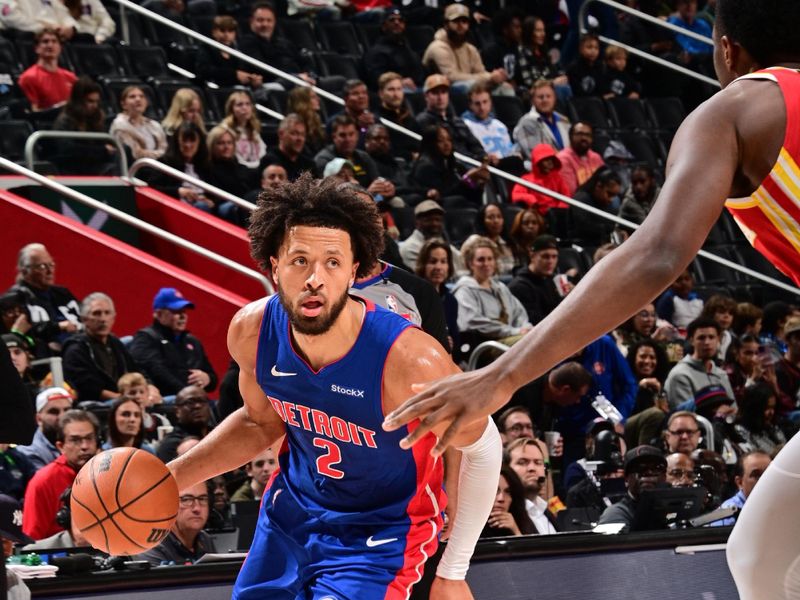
column 91, row 261
column 203, row 229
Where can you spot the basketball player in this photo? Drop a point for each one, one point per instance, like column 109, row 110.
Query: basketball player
column 744, row 145
column 349, row 514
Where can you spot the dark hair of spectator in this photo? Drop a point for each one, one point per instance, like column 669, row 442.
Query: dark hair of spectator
column 753, row 404
column 767, row 29
column 428, row 146
column 576, row 123
column 572, row 374
column 738, row 469
column 747, row 315
column 588, row 37
column 478, row 88
column 528, row 27
column 262, row 5
column 114, row 435
column 350, row 85
column 313, row 203
column 224, row 23
column 736, row 345
column 74, row 8
column 75, row 108
column 702, row 323
column 662, row 362
column 719, row 303
column 46, row 31
column 602, row 176
column 187, row 131
column 520, row 244
column 342, row 121
column 774, row 313
column 503, row 18
column 480, row 218
column 503, row 416
column 76, row 416
column 644, row 168
column 425, row 254
column 517, row 506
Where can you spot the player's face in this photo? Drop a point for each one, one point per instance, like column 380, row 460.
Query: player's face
column 313, row 272
column 129, row 418
column 502, row 501
column 80, row 443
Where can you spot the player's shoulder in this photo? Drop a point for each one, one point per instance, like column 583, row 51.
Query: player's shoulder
column 250, row 314
column 245, row 326
column 417, row 353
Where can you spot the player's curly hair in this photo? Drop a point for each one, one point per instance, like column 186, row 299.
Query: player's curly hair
column 767, row 29
column 316, row 203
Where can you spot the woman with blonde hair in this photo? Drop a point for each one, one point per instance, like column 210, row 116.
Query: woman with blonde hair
column 242, row 120
column 143, row 136
column 186, row 106
column 304, row 102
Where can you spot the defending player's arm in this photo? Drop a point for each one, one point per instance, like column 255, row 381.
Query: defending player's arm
column 247, row 431
column 702, row 170
column 416, row 358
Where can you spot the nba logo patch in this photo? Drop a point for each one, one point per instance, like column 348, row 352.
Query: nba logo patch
column 599, row 368
column 391, row 304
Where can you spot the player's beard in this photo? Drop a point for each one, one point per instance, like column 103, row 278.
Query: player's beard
column 313, row 325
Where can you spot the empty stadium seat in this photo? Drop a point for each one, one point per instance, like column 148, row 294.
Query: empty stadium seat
column 12, row 142
column 629, row 113
column 590, row 110
column 9, row 61
column 300, row 33
column 509, row 110
column 332, row 63
column 339, row 37
column 460, row 223
column 368, row 33
column 95, row 60
column 145, row 61
column 645, row 148
column 666, row 113
column 419, row 37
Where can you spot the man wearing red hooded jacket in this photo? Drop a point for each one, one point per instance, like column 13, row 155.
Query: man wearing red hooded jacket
column 546, row 172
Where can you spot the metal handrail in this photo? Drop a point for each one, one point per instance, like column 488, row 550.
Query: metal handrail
column 645, row 17
column 172, row 172
column 56, row 368
column 137, row 223
column 30, row 144
column 645, row 55
column 461, row 157
column 482, row 349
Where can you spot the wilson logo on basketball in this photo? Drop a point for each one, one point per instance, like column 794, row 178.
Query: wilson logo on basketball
column 156, row 535
column 105, row 464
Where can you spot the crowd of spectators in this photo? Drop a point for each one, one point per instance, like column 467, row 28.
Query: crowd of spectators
column 695, row 383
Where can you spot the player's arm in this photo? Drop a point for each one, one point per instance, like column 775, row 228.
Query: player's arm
column 417, row 357
column 702, row 166
column 245, row 432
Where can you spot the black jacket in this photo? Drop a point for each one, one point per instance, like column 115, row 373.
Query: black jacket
column 429, row 172
column 277, row 52
column 212, row 66
column 167, row 358
column 537, row 294
column 294, row 168
column 83, row 372
column 463, row 140
column 391, row 54
column 231, row 176
column 401, row 144
column 46, row 309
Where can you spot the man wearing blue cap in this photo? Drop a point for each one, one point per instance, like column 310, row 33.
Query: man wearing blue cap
column 172, row 356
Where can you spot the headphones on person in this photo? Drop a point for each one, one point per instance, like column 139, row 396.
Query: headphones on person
column 64, row 514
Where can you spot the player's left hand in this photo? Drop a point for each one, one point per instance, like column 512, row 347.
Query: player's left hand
column 450, row 589
column 455, row 401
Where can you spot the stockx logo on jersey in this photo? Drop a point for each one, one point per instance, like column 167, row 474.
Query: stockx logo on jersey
column 346, row 391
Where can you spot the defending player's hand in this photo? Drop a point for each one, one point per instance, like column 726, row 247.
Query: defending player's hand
column 455, row 401
column 449, row 589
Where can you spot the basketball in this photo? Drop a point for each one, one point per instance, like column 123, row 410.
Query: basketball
column 124, row 501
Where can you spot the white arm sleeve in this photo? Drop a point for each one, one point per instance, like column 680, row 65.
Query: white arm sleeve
column 764, row 548
column 477, row 488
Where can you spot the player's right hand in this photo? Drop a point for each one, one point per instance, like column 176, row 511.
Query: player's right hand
column 455, row 402
column 450, row 589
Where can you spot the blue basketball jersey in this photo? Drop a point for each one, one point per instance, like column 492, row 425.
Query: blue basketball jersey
column 337, row 462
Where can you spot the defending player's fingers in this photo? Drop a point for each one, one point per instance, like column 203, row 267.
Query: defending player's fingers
column 413, row 408
column 446, row 439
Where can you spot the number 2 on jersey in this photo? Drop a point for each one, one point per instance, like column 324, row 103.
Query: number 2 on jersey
column 325, row 461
